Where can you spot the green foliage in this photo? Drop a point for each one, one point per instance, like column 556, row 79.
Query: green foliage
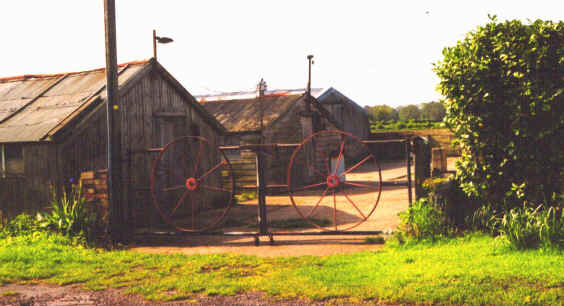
column 422, row 221
column 69, row 215
column 484, row 219
column 504, row 88
column 527, row 227
column 377, row 126
column 473, row 270
column 445, row 195
column 382, row 113
column 409, row 112
column 375, row 240
column 246, row 196
column 433, row 111
column 22, row 224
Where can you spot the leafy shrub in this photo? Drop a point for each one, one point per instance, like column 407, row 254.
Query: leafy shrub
column 246, row 196
column 22, row 224
column 503, row 90
column 445, row 195
column 527, row 227
column 484, row 219
column 423, row 221
column 69, row 215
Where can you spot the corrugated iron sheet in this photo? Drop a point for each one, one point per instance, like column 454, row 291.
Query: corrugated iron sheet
column 242, row 115
column 32, row 119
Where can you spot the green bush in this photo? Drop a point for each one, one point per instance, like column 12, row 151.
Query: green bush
column 423, row 221
column 484, row 219
column 22, row 224
column 446, row 196
column 504, row 93
column 527, row 227
column 69, row 215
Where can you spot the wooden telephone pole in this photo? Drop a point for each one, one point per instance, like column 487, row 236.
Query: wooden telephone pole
column 114, row 230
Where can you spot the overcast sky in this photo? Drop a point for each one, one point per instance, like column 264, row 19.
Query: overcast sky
column 375, row 52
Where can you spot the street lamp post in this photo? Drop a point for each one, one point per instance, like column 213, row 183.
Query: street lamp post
column 160, row 40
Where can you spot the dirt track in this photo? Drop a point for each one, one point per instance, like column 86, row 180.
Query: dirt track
column 394, row 199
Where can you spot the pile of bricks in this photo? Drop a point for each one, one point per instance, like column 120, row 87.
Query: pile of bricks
column 95, row 190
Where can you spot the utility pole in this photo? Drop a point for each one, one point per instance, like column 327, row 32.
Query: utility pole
column 114, row 133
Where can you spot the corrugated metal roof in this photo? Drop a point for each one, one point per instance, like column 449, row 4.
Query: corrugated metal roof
column 33, row 105
column 237, row 95
column 242, row 115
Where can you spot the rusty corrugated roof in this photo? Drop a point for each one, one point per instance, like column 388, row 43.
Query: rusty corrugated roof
column 242, row 115
column 33, row 105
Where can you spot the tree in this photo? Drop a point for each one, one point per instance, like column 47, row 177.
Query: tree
column 504, row 86
column 409, row 112
column 434, row 111
column 383, row 113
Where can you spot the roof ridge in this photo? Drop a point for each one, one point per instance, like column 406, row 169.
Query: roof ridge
column 55, row 75
column 248, row 99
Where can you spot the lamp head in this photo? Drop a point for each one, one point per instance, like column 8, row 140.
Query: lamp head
column 164, row 40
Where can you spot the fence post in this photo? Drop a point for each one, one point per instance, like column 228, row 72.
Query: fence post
column 408, row 162
column 422, row 164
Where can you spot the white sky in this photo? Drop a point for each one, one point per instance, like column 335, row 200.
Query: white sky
column 375, row 52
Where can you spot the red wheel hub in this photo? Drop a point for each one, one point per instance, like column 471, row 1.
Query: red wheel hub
column 191, row 184
column 333, row 181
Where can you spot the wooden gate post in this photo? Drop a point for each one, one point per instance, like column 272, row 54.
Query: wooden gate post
column 422, row 164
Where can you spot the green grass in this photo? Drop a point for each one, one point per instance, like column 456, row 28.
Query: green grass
column 475, row 270
column 9, row 293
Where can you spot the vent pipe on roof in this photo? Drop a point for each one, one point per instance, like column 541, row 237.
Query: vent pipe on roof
column 261, row 89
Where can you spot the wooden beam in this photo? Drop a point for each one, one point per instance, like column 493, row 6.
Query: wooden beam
column 3, row 153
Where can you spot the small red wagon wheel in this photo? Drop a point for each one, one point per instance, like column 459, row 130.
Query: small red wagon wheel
column 192, row 184
column 341, row 174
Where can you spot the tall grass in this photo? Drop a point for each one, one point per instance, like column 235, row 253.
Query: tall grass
column 69, row 215
column 526, row 227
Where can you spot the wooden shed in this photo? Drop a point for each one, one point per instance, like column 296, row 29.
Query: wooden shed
column 53, row 127
column 351, row 116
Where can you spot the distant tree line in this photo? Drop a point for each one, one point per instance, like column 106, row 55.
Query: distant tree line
column 424, row 116
column 431, row 111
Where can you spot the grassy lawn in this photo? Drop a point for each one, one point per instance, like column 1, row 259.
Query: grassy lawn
column 474, row 270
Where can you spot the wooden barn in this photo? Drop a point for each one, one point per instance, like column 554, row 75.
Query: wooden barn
column 287, row 118
column 351, row 116
column 53, row 127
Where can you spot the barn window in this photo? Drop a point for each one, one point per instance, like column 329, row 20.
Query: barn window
column 12, row 160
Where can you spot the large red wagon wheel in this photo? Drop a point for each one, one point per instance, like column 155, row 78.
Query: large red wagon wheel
column 192, row 184
column 343, row 176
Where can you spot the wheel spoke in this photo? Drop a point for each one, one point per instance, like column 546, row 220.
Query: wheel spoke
column 172, row 188
column 215, row 188
column 184, row 164
column 335, row 209
column 360, row 185
column 325, row 160
column 193, row 212
column 352, row 203
column 198, row 159
column 340, row 156
column 356, row 165
column 310, row 186
column 316, row 171
column 212, row 170
column 173, row 174
column 178, row 203
column 317, row 204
